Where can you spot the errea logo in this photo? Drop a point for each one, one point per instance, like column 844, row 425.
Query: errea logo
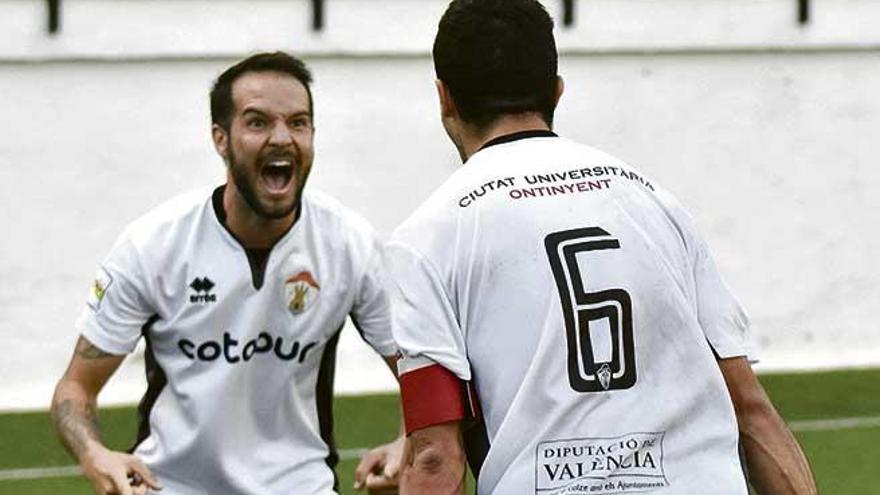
column 202, row 290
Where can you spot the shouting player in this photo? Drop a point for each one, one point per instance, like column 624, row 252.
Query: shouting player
column 240, row 295
column 573, row 295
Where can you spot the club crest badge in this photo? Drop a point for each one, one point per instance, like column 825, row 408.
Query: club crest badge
column 102, row 282
column 302, row 291
column 604, row 375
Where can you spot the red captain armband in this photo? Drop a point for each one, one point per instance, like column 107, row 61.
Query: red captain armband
column 433, row 395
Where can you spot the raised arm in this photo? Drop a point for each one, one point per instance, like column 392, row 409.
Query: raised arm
column 775, row 461
column 75, row 417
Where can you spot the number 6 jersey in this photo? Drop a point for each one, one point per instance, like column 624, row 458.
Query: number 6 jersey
column 578, row 299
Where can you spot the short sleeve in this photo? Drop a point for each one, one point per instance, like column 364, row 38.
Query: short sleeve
column 371, row 312
column 722, row 318
column 423, row 318
column 116, row 308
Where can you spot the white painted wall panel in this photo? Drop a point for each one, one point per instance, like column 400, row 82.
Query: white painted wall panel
column 218, row 28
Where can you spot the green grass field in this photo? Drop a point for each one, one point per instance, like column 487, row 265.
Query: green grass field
column 845, row 457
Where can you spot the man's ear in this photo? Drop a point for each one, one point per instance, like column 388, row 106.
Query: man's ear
column 221, row 141
column 447, row 103
column 560, row 88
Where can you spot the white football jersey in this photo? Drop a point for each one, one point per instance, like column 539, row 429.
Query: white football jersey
column 240, row 362
column 578, row 297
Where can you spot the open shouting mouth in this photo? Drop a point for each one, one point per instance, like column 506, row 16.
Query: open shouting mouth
column 276, row 173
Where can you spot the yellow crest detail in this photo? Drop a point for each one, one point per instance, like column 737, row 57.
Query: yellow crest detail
column 298, row 301
column 98, row 289
column 302, row 289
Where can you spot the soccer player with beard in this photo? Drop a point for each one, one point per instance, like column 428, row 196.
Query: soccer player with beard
column 573, row 296
column 240, row 295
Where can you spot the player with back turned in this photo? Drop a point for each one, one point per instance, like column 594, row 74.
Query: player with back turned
column 240, row 294
column 561, row 322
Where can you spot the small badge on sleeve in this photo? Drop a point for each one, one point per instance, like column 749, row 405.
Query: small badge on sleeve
column 301, row 290
column 102, row 283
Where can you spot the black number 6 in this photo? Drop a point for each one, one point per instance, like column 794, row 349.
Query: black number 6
column 581, row 309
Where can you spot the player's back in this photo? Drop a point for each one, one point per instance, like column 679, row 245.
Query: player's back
column 588, row 311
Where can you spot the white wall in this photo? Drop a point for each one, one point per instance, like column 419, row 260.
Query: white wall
column 216, row 28
column 767, row 130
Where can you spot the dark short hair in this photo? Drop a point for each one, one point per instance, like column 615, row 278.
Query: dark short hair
column 222, row 105
column 497, row 57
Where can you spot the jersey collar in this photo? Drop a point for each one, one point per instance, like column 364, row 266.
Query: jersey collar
column 516, row 136
column 220, row 213
column 258, row 259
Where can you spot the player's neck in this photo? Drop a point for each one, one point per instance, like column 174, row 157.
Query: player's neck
column 253, row 230
column 474, row 139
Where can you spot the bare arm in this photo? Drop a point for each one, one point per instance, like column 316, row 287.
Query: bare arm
column 75, row 417
column 434, row 461
column 379, row 468
column 776, row 463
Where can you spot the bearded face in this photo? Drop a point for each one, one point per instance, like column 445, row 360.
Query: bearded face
column 269, row 145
